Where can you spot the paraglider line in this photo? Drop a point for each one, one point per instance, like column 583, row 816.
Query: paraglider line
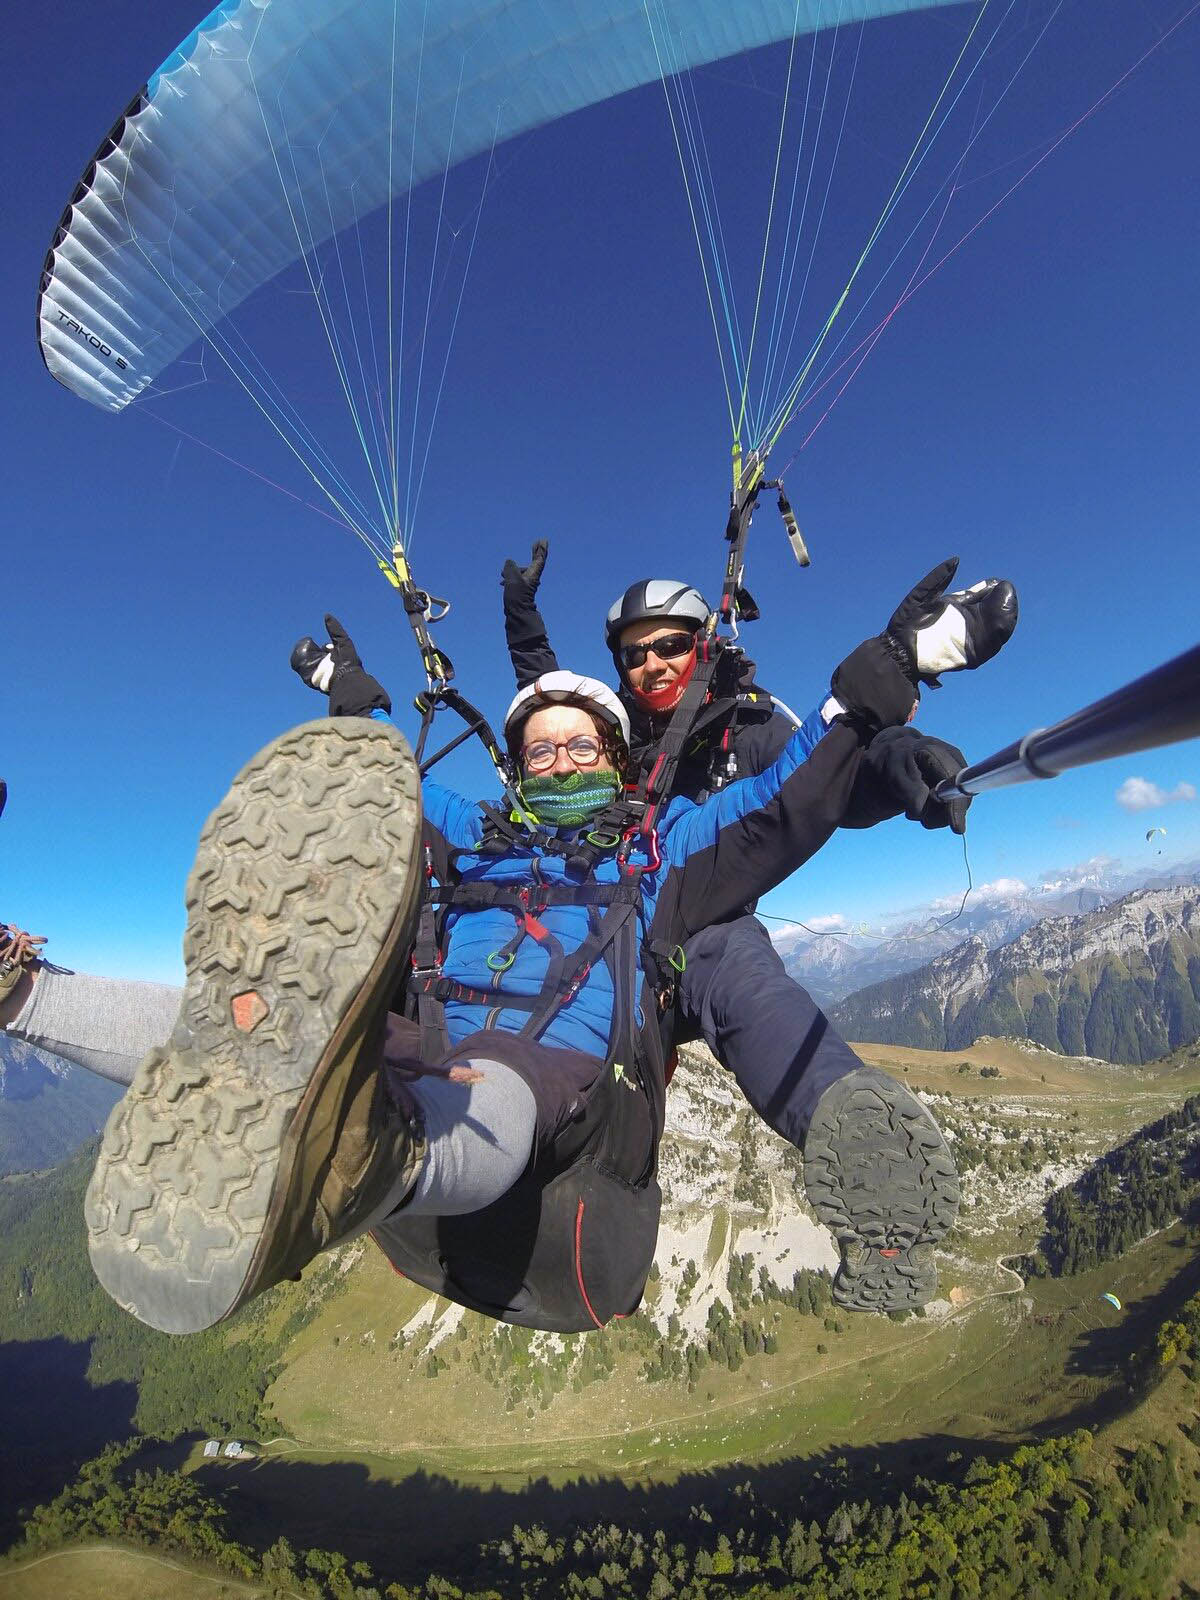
column 883, row 938
column 868, row 345
column 1072, row 128
column 144, row 410
column 691, row 200
column 308, row 257
column 953, row 186
column 776, row 360
column 409, row 499
column 916, row 157
column 437, row 401
column 706, row 180
column 395, row 376
column 766, row 245
column 259, row 400
column 792, row 235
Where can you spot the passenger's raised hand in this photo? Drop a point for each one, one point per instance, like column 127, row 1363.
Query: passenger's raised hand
column 336, row 669
column 521, row 583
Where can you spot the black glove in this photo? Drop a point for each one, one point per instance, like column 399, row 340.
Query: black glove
column 875, row 690
column 908, row 765
column 521, row 583
column 939, row 632
column 335, row 669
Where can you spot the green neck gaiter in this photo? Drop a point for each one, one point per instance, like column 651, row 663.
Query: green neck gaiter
column 569, row 799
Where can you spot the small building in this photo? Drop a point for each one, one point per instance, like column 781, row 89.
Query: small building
column 233, row 1448
column 212, row 1447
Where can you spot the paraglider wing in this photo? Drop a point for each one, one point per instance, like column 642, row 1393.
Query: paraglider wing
column 1112, row 1300
column 278, row 123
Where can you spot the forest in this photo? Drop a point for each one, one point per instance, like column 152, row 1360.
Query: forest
column 1142, row 1185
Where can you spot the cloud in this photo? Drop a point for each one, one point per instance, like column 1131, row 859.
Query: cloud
column 785, row 932
column 998, row 889
column 1139, row 794
column 1082, row 873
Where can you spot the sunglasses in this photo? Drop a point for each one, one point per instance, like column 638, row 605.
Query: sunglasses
column 582, row 748
column 668, row 648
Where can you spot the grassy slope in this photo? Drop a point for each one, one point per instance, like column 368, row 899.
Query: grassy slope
column 346, row 1387
column 1003, row 1362
column 102, row 1572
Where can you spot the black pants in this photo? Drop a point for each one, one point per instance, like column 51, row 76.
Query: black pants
column 760, row 1024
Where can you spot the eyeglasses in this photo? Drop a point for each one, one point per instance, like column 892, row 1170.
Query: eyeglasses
column 582, row 748
column 667, row 648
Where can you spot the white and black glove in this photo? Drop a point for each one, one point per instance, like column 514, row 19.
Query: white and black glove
column 937, row 632
column 336, row 670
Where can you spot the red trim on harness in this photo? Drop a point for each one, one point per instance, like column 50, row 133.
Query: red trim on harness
column 579, row 1264
column 535, row 928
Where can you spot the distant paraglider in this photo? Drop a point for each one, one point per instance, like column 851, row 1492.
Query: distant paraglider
column 1150, row 833
column 1112, row 1300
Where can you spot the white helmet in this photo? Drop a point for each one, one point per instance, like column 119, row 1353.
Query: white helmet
column 566, row 688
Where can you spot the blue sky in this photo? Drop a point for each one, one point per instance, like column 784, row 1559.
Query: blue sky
column 1032, row 409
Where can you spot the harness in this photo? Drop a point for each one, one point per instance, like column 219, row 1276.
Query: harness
column 571, row 1244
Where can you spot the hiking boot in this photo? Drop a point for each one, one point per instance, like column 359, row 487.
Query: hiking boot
column 879, row 1176
column 261, row 1133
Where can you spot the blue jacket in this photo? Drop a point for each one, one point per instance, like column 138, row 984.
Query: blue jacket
column 715, row 856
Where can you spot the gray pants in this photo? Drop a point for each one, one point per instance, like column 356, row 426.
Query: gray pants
column 479, row 1135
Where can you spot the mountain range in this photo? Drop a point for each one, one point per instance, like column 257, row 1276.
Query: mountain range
column 47, row 1107
column 1121, row 983
column 834, row 964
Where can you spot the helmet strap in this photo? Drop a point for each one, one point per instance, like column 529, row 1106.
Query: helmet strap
column 666, row 698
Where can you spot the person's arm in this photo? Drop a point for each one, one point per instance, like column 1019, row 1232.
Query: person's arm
column 753, row 834
column 524, row 629
column 335, row 669
column 458, row 820
column 750, row 836
column 898, row 774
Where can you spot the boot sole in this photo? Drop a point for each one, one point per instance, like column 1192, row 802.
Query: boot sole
column 880, row 1177
column 299, row 905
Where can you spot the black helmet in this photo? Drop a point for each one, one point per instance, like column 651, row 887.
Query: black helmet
column 655, row 600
